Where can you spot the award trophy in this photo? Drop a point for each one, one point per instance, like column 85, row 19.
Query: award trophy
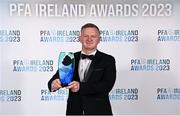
column 66, row 65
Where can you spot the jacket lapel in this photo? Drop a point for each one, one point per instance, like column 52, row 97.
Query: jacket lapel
column 91, row 68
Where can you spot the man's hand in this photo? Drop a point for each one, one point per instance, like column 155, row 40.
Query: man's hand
column 56, row 84
column 74, row 86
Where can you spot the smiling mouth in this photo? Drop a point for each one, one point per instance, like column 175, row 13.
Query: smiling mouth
column 89, row 43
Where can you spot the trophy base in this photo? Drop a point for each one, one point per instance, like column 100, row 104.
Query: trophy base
column 64, row 85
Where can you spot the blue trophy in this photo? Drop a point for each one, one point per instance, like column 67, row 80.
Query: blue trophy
column 66, row 65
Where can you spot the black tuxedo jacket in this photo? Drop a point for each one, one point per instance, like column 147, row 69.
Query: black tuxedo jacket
column 93, row 95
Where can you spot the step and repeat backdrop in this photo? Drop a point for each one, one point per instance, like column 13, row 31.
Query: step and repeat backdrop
column 142, row 35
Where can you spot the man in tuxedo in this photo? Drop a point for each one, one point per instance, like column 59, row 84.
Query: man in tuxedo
column 94, row 77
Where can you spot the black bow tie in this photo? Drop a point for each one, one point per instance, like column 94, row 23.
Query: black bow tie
column 83, row 56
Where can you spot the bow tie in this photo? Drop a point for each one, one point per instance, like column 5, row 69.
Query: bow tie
column 83, row 56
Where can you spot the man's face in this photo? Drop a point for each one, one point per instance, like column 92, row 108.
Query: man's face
column 89, row 38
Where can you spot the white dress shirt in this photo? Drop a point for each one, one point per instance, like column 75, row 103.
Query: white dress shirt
column 84, row 65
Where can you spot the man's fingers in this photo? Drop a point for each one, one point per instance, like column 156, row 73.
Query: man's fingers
column 70, row 86
column 57, row 81
column 73, row 86
column 72, row 83
column 56, row 84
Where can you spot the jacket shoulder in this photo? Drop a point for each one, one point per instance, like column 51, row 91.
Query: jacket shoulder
column 106, row 56
column 77, row 53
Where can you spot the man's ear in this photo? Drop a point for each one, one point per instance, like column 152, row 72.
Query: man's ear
column 80, row 39
column 99, row 39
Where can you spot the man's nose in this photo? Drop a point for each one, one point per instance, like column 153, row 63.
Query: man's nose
column 89, row 39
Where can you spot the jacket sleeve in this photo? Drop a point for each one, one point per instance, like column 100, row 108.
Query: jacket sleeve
column 103, row 86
